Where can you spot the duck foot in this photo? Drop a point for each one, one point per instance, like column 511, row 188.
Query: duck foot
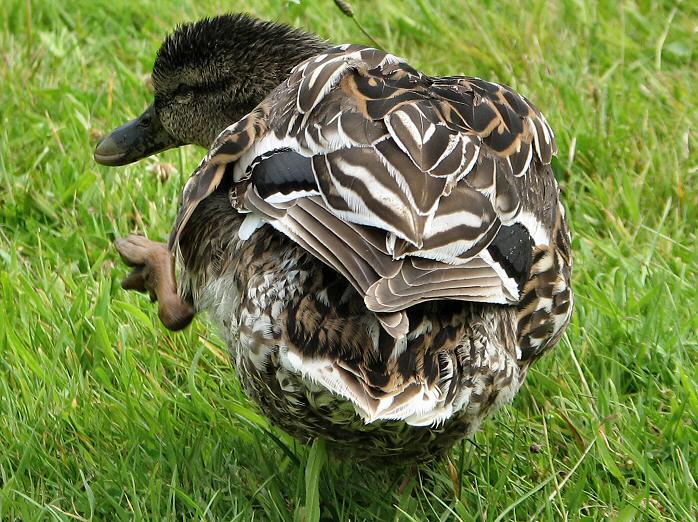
column 153, row 272
column 413, row 474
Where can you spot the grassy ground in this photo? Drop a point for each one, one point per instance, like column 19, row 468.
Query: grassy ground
column 104, row 415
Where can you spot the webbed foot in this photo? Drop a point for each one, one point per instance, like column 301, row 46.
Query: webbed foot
column 153, row 272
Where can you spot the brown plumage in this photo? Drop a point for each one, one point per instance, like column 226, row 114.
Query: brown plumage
column 430, row 164
column 386, row 251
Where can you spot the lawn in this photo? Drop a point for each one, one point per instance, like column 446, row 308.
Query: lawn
column 104, row 415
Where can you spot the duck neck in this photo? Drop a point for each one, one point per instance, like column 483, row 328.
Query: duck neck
column 262, row 67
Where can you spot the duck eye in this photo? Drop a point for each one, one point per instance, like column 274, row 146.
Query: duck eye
column 144, row 121
column 183, row 94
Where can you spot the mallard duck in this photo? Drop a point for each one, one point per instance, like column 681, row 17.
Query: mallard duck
column 385, row 251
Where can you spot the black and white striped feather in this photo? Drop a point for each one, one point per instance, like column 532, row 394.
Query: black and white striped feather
column 408, row 185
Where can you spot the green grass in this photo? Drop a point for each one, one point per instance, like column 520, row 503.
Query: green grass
column 104, row 415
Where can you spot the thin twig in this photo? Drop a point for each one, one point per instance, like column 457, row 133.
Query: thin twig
column 348, row 10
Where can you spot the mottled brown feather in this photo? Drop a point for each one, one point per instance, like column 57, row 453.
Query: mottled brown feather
column 407, row 165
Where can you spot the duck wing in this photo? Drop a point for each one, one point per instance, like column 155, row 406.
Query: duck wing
column 408, row 185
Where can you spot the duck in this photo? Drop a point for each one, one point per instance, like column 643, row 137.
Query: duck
column 385, row 252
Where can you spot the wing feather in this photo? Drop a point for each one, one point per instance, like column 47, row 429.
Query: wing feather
column 399, row 181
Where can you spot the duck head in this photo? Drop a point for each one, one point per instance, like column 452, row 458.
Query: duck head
column 207, row 75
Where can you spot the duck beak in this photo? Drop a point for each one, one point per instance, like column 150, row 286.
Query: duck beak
column 134, row 140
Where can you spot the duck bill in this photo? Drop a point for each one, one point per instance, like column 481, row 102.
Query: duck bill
column 134, row 140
